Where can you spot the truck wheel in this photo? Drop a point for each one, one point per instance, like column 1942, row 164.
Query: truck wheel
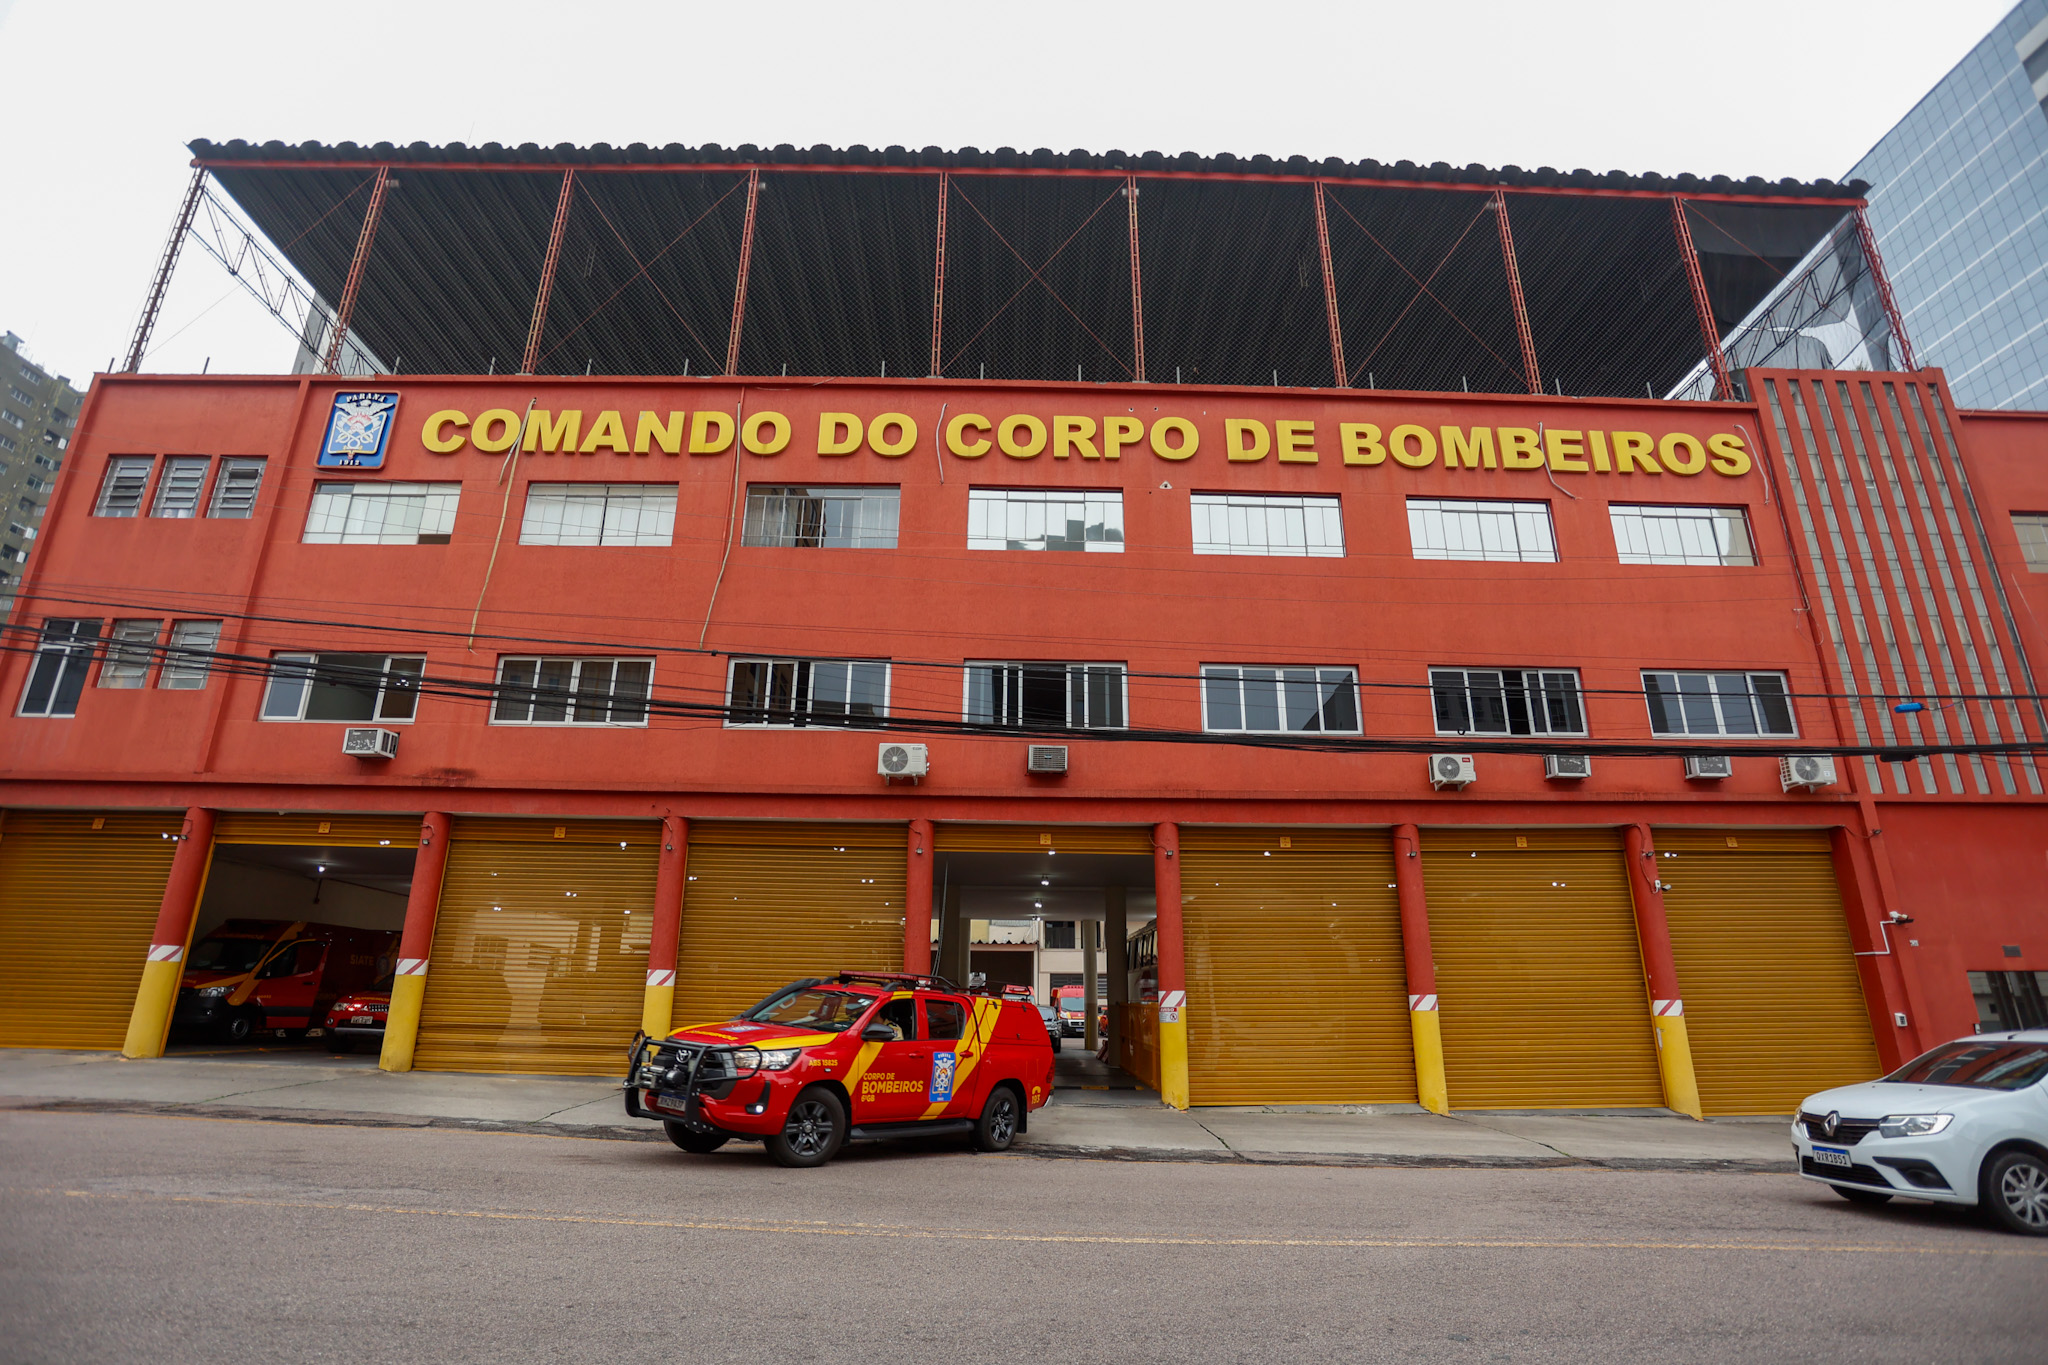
column 1857, row 1195
column 238, row 1027
column 2016, row 1192
column 998, row 1126
column 814, row 1131
column 692, row 1139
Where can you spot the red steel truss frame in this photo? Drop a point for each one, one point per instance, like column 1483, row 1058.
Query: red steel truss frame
column 547, row 273
column 1710, row 332
column 364, row 239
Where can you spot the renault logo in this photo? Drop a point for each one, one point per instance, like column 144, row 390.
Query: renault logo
column 1829, row 1124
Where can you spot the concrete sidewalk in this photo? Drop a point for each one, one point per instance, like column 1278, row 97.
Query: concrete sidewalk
column 1114, row 1124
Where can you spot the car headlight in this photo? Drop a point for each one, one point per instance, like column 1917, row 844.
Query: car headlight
column 747, row 1060
column 214, row 992
column 1912, row 1125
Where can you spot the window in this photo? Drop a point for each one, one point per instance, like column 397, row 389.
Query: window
column 18, row 396
column 1279, row 700
column 8, row 416
column 840, row 518
column 2032, row 529
column 944, row 1019
column 599, row 514
column 1060, row 933
column 382, row 513
column 1241, row 524
column 1718, row 704
column 2010, row 1000
column 1059, row 696
column 1459, row 528
column 15, row 528
column 121, row 491
column 1682, row 535
column 9, row 443
column 190, row 656
column 13, row 554
column 1044, row 519
column 1506, row 701
column 63, row 654
column 130, row 651
column 36, row 485
column 807, row 692
column 177, row 492
column 572, row 691
column 234, row 492
column 345, row 687
column 45, row 462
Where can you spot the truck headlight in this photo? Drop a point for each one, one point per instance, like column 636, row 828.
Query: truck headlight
column 1912, row 1125
column 215, row 992
column 782, row 1059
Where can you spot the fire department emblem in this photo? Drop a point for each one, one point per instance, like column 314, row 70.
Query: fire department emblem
column 358, row 431
column 942, row 1076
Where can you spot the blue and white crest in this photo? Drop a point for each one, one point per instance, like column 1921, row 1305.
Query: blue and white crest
column 358, row 431
column 942, row 1076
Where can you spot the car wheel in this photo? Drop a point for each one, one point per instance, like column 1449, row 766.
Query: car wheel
column 1058, row 1044
column 2016, row 1192
column 692, row 1139
column 998, row 1126
column 239, row 1027
column 813, row 1132
column 1856, row 1195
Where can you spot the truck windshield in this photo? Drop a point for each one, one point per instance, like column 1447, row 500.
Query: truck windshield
column 227, row 954
column 831, row 1011
column 1985, row 1064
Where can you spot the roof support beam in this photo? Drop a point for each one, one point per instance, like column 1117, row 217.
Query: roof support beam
column 161, row 285
column 939, row 273
column 345, row 312
column 1507, row 259
column 739, row 289
column 1710, row 331
column 547, row 273
column 1337, row 368
column 1892, row 316
column 1137, row 293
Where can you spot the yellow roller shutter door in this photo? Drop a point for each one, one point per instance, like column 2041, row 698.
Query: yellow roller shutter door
column 767, row 904
column 1538, row 970
column 540, row 949
column 1773, row 1003
column 77, row 906
column 1129, row 839
column 1296, row 988
column 315, row 830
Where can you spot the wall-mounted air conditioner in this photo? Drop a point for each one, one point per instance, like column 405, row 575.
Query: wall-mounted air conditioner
column 903, row 760
column 1811, row 771
column 369, row 741
column 1451, row 770
column 1563, row 767
column 1045, row 758
column 1708, row 767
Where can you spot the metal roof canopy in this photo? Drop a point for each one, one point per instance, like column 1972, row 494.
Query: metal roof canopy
column 1030, row 266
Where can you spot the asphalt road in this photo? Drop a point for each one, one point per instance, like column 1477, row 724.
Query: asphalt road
column 166, row 1240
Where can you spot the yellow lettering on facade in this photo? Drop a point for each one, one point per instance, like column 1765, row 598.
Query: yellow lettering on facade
column 668, row 435
column 1520, row 448
column 551, row 433
column 1246, row 439
column 1361, row 443
column 771, row 442
column 1295, row 442
column 434, row 434
column 1694, row 459
column 710, row 432
column 1118, row 432
column 956, row 440
column 1596, row 444
column 838, row 433
column 495, row 442
column 1020, row 448
column 1070, row 434
column 1632, row 448
column 1424, row 453
column 1566, row 450
column 607, row 433
column 1468, row 451
column 1729, row 454
column 1190, row 439
column 879, row 440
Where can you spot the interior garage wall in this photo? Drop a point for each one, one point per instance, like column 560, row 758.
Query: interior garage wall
column 239, row 891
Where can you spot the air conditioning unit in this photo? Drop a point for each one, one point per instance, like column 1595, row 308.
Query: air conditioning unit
column 368, row 741
column 903, row 760
column 1558, row 767
column 1811, row 771
column 1045, row 758
column 1708, row 767
column 1451, row 770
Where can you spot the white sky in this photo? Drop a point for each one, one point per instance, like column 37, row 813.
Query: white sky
column 104, row 96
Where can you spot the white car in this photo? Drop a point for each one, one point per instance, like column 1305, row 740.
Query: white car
column 1965, row 1124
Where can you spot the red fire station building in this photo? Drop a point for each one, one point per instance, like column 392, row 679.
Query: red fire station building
column 599, row 613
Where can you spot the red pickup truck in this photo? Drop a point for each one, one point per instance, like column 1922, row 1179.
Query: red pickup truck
column 284, row 975
column 860, row 1055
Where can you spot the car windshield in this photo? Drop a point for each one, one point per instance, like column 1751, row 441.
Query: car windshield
column 227, row 954
column 832, row 1011
column 384, row 982
column 1978, row 1064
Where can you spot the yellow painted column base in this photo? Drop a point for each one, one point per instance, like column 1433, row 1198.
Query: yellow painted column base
column 1173, row 1060
column 402, row 1022
column 150, row 1021
column 1674, row 1063
column 1431, row 1089
column 658, row 1011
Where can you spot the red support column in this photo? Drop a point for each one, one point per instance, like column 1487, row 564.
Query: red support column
column 657, row 1011
column 345, row 312
column 917, row 900
column 1896, row 1008
column 149, row 1022
column 168, row 263
column 1330, row 294
column 1514, row 270
column 739, row 289
column 547, row 274
column 422, row 907
column 1137, row 294
column 1660, row 973
column 939, row 272
column 1710, row 331
column 1173, row 974
column 1425, row 1023
column 1892, row 318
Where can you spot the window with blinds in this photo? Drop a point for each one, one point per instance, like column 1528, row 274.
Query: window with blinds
column 121, row 490
column 179, row 490
column 234, row 491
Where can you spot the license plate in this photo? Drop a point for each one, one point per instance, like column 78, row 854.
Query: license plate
column 362, row 1019
column 655, row 1101
column 1831, row 1156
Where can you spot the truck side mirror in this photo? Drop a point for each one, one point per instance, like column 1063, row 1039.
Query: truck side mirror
column 878, row 1033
